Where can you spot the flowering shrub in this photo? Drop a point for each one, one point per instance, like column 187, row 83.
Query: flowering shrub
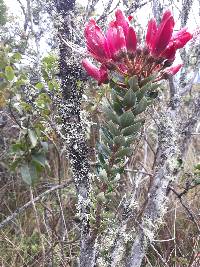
column 133, row 72
column 118, row 50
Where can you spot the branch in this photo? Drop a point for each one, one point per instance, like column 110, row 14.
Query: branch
column 10, row 218
column 179, row 196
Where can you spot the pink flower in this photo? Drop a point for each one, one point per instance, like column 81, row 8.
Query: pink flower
column 96, row 42
column 163, row 34
column 116, row 40
column 117, row 50
column 100, row 75
column 173, row 70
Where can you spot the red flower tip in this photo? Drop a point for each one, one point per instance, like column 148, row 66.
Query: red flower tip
column 116, row 40
column 131, row 40
column 173, row 70
column 100, row 75
column 163, row 34
column 122, row 21
column 96, row 41
column 130, row 18
column 181, row 38
column 151, row 32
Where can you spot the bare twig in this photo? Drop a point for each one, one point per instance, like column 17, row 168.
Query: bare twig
column 10, row 218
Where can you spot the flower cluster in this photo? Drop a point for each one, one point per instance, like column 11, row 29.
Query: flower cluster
column 119, row 51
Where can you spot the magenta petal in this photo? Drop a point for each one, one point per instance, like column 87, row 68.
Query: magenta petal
column 130, row 18
column 169, row 52
column 100, row 75
column 96, row 41
column 151, row 33
column 163, row 34
column 116, row 39
column 174, row 69
column 166, row 15
column 181, row 38
column 120, row 40
column 91, row 69
column 122, row 21
column 131, row 40
column 103, row 75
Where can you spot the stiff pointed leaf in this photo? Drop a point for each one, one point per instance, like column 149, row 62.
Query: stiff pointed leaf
column 133, row 83
column 106, row 138
column 127, row 151
column 129, row 99
column 132, row 130
column 143, row 91
column 9, row 72
column 118, row 89
column 101, row 159
column 113, row 128
column 117, row 103
column 104, row 150
column 130, row 140
column 117, row 108
column 147, row 80
column 119, row 140
column 110, row 114
column 141, row 106
column 127, row 119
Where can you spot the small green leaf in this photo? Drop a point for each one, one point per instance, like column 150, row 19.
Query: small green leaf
column 124, row 152
column 17, row 56
column 127, row 119
column 133, row 83
column 50, row 85
column 197, row 167
column 3, row 85
column 28, row 173
column 101, row 197
column 101, row 158
column 129, row 99
column 39, row 86
column 9, row 72
column 33, row 137
column 39, row 159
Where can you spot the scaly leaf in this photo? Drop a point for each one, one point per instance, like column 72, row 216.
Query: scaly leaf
column 129, row 99
column 126, row 119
